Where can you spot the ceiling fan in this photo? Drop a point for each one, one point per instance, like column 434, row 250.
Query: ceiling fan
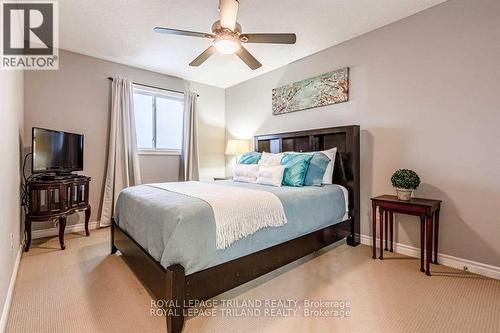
column 227, row 37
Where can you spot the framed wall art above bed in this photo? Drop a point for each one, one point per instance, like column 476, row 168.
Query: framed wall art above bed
column 325, row 89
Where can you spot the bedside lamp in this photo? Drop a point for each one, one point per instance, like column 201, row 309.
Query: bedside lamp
column 237, row 147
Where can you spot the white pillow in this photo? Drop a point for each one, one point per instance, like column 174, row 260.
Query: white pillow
column 269, row 159
column 270, row 175
column 246, row 173
column 328, row 176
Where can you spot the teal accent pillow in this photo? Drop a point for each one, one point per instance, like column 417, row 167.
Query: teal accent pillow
column 250, row 158
column 316, row 170
column 296, row 166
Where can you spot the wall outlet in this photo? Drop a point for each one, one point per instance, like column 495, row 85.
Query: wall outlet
column 12, row 241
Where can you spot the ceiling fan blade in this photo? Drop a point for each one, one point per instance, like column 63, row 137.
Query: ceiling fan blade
column 248, row 58
column 182, row 32
column 269, row 38
column 203, row 56
column 228, row 12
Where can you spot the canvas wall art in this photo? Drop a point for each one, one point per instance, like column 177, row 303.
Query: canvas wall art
column 325, row 89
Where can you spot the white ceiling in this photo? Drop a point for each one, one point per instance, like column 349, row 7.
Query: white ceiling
column 121, row 31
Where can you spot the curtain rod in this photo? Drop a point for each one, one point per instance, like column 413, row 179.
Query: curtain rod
column 145, row 85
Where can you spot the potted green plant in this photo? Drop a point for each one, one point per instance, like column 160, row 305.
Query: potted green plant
column 405, row 181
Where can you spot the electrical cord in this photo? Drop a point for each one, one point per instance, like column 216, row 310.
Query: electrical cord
column 24, row 185
column 24, row 166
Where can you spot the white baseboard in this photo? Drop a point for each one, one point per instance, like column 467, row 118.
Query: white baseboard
column 79, row 227
column 10, row 291
column 443, row 259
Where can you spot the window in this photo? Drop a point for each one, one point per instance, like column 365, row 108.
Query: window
column 159, row 118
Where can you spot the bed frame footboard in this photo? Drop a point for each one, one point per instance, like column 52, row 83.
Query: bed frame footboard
column 165, row 285
column 175, row 289
column 175, row 282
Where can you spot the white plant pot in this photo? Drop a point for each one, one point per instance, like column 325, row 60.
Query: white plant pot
column 403, row 194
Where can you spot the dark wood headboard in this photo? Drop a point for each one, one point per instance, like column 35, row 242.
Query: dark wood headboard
column 347, row 162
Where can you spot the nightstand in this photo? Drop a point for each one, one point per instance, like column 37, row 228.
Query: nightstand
column 426, row 209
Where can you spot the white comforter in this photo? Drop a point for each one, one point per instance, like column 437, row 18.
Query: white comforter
column 238, row 212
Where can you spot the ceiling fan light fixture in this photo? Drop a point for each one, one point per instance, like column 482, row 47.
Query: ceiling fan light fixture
column 227, row 44
column 227, row 37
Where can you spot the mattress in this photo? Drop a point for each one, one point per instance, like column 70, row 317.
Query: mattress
column 179, row 229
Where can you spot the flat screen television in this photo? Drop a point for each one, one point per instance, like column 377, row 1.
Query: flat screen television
column 56, row 151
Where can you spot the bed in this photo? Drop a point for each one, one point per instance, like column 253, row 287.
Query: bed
column 179, row 229
column 168, row 239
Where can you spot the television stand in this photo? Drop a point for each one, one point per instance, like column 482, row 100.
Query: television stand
column 56, row 198
column 56, row 176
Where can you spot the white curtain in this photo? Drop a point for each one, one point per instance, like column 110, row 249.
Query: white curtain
column 123, row 161
column 189, row 155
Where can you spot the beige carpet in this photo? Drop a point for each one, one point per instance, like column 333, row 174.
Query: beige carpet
column 83, row 289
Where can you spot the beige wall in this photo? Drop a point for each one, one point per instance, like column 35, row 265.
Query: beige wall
column 211, row 129
column 76, row 98
column 426, row 92
column 11, row 129
column 156, row 169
